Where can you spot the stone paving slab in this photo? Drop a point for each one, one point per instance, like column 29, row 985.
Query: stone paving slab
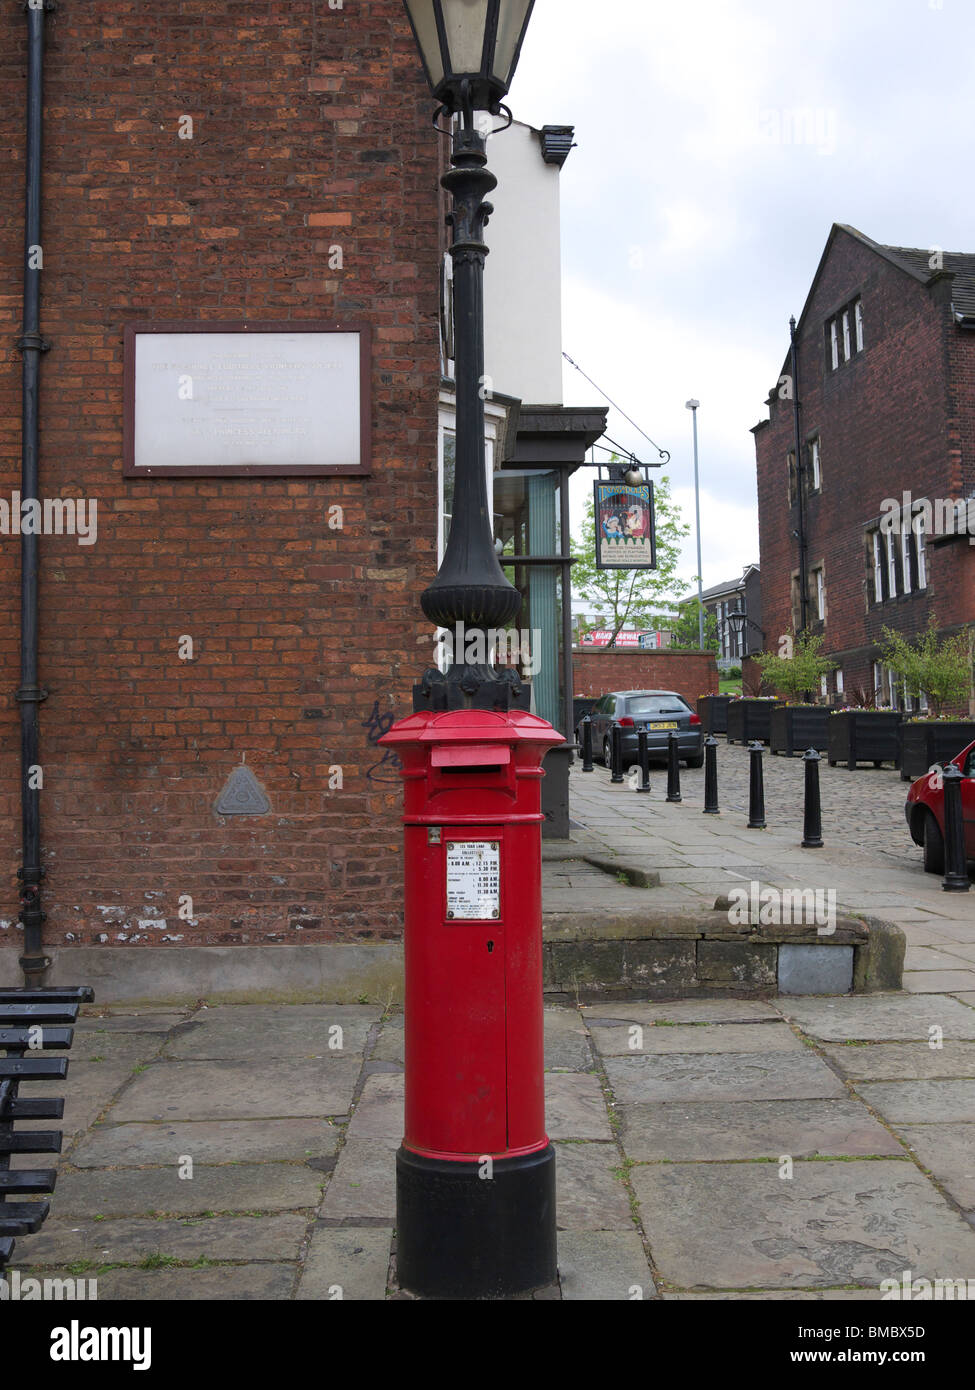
column 390, row 1045
column 744, row 1076
column 881, row 1017
column 921, row 1102
column 227, row 1283
column 364, row 1182
column 938, row 981
column 347, row 1263
column 133, row 1240
column 150, row 1020
column 229, row 1031
column 949, row 1152
column 778, row 1296
column 88, row 1090
column 902, row 1061
column 680, row 1011
column 574, row 1107
column 379, row 1112
column 715, row 1130
column 254, row 1089
column 566, row 1041
column 226, row 1141
column 590, row 1191
column 119, row 1049
column 601, row 1266
column 834, row 1223
column 240, row 1187
column 697, row 1038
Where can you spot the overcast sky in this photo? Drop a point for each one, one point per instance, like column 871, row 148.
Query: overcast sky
column 696, row 206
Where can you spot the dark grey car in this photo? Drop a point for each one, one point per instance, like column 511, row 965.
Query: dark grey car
column 657, row 711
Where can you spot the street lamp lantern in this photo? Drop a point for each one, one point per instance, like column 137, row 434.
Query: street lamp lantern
column 470, row 48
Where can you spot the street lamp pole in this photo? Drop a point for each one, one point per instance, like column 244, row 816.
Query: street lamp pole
column 475, row 1173
column 692, row 406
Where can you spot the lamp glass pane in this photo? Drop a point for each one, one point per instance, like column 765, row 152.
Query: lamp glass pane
column 465, row 22
column 511, row 27
column 424, row 22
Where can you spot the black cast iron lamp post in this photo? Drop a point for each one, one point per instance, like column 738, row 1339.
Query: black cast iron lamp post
column 475, row 1173
column 470, row 49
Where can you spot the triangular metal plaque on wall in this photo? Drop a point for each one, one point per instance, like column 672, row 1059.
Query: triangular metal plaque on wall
column 242, row 795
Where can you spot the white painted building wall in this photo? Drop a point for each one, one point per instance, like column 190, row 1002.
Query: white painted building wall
column 523, row 274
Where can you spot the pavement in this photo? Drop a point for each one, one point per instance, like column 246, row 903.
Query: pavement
column 868, row 858
column 797, row 1148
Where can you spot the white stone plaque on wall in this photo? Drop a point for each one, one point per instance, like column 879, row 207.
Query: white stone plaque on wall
column 255, row 399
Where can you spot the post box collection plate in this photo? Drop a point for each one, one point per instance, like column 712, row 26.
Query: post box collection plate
column 473, row 871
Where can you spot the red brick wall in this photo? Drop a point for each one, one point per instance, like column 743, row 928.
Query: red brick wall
column 689, row 673
column 887, row 424
column 312, row 127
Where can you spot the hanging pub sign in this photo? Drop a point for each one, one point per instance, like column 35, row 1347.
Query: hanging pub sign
column 625, row 527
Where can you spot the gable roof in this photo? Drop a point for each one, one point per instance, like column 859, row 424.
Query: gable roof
column 914, row 262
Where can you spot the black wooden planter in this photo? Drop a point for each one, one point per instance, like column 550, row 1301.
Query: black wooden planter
column 798, row 727
column 932, row 741
column 713, row 713
column 749, row 720
column 863, row 736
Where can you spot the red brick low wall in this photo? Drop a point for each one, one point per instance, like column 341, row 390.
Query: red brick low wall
column 690, row 673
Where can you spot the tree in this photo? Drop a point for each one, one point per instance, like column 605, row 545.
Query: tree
column 797, row 668
column 687, row 629
column 632, row 597
column 942, row 670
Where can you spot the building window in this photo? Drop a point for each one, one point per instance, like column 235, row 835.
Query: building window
column 906, row 556
column 891, row 568
column 823, row 687
column 878, row 568
column 815, row 465
column 844, row 334
column 921, row 553
column 820, row 582
column 878, row 682
column 839, row 681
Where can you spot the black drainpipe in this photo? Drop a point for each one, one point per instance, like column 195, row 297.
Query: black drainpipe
column 33, row 962
column 800, row 471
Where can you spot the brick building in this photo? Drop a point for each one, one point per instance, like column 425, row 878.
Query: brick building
column 302, row 190
column 886, row 393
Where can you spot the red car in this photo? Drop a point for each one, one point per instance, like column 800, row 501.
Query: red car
column 925, row 811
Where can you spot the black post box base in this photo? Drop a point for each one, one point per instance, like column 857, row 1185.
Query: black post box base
column 461, row 1235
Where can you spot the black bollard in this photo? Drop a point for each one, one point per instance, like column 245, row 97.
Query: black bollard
column 812, row 825
column 673, row 768
column 711, row 776
column 616, row 753
column 587, row 744
column 956, row 868
column 644, row 756
column 756, row 788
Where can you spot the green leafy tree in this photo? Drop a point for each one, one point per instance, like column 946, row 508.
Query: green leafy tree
column 687, row 630
column 797, row 668
column 941, row 669
column 632, row 598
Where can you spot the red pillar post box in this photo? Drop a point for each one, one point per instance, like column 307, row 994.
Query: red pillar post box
column 475, row 1174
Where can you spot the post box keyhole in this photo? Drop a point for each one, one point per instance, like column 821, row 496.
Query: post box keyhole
column 490, row 947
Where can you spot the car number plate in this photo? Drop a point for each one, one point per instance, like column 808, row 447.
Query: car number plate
column 663, row 726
